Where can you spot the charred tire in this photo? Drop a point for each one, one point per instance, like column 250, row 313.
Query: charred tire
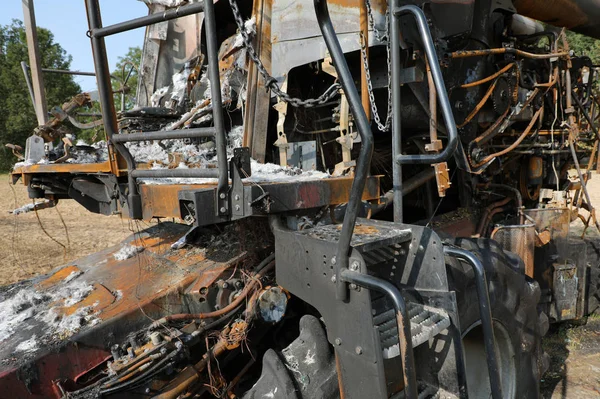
column 518, row 326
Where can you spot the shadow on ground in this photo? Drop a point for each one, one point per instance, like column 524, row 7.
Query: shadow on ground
column 574, row 351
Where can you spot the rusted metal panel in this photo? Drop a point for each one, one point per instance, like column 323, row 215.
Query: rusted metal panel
column 126, row 295
column 71, row 168
column 296, row 38
column 162, row 200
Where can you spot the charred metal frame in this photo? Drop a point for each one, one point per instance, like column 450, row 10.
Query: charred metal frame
column 97, row 33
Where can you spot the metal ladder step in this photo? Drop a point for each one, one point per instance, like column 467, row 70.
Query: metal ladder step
column 427, row 391
column 425, row 323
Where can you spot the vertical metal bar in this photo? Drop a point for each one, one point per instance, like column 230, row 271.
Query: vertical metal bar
column 396, row 111
column 366, row 148
column 440, row 87
column 107, row 105
column 41, row 107
column 485, row 314
column 210, row 32
column 29, row 86
column 364, row 30
column 402, row 319
column 583, row 185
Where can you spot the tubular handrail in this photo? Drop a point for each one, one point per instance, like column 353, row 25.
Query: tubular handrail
column 485, row 313
column 440, row 87
column 136, row 23
column 115, row 140
column 402, row 319
column 366, row 149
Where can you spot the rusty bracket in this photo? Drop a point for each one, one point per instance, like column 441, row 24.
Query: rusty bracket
column 442, row 178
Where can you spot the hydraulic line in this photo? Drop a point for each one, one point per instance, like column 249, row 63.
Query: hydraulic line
column 478, row 107
column 516, row 143
column 209, row 315
column 504, row 50
column 491, row 77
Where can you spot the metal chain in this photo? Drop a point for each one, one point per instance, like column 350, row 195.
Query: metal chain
column 270, row 81
column 365, row 59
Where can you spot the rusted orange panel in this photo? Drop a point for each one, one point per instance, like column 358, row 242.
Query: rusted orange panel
column 100, row 298
column 103, row 167
column 58, row 277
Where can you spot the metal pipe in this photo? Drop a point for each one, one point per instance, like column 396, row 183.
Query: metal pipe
column 586, row 115
column 210, row 173
column 518, row 197
column 485, row 314
column 583, row 185
column 107, row 105
column 366, row 149
column 408, row 187
column 65, row 72
column 402, row 319
column 396, row 112
column 165, row 135
column 167, row 15
column 28, row 81
column 212, row 49
column 486, row 212
column 504, row 50
column 35, row 59
column 440, row 87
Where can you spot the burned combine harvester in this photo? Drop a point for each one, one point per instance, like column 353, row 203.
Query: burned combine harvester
column 373, row 200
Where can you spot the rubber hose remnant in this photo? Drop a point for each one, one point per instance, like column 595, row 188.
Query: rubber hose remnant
column 191, row 374
column 480, row 105
column 516, row 143
column 503, row 50
column 209, row 315
column 491, row 77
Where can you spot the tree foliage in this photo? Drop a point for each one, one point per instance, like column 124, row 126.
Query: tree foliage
column 126, row 73
column 17, row 117
column 584, row 45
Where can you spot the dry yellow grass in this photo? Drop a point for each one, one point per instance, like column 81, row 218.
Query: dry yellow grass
column 26, row 251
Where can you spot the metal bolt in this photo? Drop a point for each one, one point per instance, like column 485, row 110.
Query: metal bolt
column 222, row 195
column 338, row 341
column 237, row 197
column 237, row 208
column 352, row 286
column 355, row 266
column 333, row 261
column 223, row 209
column 333, row 279
column 358, row 350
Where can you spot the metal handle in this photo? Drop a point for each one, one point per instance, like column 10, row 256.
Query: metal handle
column 485, row 314
column 440, row 87
column 402, row 319
column 366, row 149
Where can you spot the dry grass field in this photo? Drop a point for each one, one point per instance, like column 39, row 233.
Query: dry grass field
column 26, row 251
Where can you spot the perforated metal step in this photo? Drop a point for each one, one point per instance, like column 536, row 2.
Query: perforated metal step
column 425, row 323
column 426, row 391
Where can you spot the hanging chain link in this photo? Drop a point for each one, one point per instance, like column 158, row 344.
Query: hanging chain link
column 365, row 59
column 270, row 81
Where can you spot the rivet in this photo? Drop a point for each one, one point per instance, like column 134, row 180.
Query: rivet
column 237, row 208
column 333, row 261
column 237, row 197
column 338, row 341
column 358, row 350
column 223, row 209
column 222, row 195
column 333, row 279
column 355, row 266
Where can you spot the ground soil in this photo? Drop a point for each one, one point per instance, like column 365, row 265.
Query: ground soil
column 26, row 250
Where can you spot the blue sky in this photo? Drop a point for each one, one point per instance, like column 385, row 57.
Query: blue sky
column 67, row 20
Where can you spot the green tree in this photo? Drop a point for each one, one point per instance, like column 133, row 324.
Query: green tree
column 584, row 45
column 17, row 118
column 126, row 73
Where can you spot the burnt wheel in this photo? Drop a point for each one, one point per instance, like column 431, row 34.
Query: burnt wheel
column 518, row 326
